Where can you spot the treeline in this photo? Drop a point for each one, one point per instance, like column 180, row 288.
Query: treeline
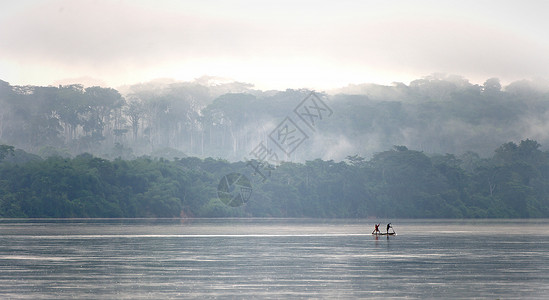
column 156, row 118
column 513, row 183
column 204, row 118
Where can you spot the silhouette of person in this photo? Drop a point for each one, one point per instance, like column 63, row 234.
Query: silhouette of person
column 376, row 229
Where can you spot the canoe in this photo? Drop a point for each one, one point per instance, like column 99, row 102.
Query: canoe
column 384, row 233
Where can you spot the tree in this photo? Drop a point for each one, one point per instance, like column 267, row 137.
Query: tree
column 70, row 106
column 135, row 112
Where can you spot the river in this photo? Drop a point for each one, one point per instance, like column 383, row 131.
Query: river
column 272, row 258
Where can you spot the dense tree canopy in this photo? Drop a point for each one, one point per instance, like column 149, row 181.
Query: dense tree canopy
column 400, row 182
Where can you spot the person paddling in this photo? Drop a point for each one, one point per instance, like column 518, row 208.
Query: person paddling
column 376, row 229
column 389, row 226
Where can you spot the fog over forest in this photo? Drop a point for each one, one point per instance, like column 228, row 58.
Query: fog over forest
column 211, row 117
column 437, row 147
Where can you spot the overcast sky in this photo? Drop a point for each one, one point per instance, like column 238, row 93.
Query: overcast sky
column 272, row 44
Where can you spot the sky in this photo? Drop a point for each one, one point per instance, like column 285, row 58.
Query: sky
column 271, row 44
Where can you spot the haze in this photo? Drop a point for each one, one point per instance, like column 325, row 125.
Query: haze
column 273, row 45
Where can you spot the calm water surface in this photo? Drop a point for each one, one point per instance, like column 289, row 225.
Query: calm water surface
column 273, row 258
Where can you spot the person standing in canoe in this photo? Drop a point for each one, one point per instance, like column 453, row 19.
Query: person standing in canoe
column 376, row 229
column 389, row 226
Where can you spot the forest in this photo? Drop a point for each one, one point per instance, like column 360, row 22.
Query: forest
column 439, row 147
column 210, row 118
column 396, row 183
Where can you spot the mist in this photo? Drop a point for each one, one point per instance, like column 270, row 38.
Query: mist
column 215, row 117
